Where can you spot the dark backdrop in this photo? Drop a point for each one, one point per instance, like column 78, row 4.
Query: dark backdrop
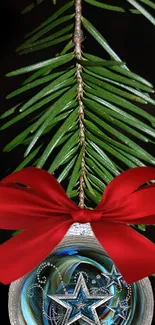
column 132, row 37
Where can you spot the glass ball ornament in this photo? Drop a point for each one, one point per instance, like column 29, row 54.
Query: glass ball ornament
column 79, row 284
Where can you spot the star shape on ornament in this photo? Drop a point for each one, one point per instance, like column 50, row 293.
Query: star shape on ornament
column 80, row 304
column 113, row 277
column 119, row 309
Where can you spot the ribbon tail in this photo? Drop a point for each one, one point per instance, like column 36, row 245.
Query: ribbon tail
column 25, row 251
column 132, row 253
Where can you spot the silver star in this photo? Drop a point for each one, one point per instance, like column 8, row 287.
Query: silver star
column 119, row 309
column 113, row 277
column 90, row 307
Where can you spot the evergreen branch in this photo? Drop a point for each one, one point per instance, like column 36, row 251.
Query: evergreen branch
column 78, row 38
column 83, row 118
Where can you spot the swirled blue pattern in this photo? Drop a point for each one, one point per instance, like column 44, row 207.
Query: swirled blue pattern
column 49, row 290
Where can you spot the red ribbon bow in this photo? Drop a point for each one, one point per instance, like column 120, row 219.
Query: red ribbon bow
column 45, row 213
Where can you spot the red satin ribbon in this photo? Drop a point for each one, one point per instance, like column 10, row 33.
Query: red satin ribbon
column 45, row 213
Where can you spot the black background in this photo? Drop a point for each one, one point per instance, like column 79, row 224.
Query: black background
column 132, row 37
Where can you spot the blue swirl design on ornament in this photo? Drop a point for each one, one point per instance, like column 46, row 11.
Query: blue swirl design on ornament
column 57, row 277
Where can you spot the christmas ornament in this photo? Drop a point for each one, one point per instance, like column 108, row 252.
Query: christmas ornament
column 79, row 284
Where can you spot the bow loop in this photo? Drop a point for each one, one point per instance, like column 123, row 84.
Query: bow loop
column 86, row 215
